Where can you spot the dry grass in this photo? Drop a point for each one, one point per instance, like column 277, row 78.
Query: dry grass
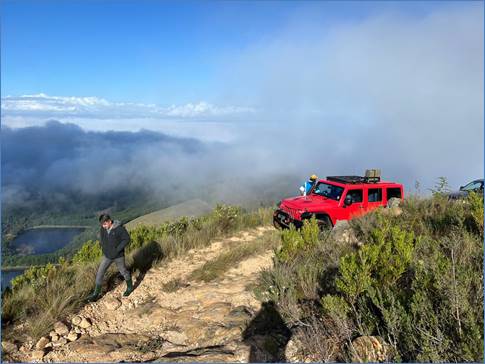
column 41, row 307
column 215, row 268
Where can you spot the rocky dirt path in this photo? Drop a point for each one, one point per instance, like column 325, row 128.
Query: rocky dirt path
column 167, row 317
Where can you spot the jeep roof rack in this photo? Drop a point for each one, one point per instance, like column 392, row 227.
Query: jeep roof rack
column 354, row 179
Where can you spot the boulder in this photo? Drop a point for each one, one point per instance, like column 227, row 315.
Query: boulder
column 292, row 350
column 61, row 328
column 43, row 341
column 368, row 349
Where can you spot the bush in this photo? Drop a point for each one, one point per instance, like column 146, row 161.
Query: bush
column 415, row 280
column 34, row 276
column 226, row 216
column 89, row 252
column 295, row 241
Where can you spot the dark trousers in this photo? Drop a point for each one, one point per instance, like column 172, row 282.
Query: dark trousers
column 105, row 263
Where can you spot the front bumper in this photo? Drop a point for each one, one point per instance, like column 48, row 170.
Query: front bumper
column 281, row 219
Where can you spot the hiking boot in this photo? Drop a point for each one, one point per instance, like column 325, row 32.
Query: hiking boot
column 129, row 287
column 95, row 295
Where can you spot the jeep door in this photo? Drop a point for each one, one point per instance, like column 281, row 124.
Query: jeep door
column 374, row 198
column 357, row 208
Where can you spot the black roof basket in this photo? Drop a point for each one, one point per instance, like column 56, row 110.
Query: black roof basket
column 354, row 179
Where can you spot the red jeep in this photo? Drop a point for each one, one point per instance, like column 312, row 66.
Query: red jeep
column 336, row 198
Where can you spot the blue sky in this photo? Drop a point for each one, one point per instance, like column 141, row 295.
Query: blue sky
column 151, row 51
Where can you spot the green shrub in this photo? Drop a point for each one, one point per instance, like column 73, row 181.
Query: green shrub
column 226, row 216
column 34, row 276
column 89, row 252
column 295, row 241
column 142, row 234
column 379, row 263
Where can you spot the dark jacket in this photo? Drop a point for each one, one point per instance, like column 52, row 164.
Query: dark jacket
column 113, row 243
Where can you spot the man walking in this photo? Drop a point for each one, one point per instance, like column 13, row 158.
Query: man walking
column 113, row 239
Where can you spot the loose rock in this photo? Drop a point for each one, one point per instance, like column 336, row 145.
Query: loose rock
column 60, row 342
column 37, row 355
column 85, row 323
column 76, row 320
column 61, row 328
column 8, row 347
column 43, row 341
column 72, row 336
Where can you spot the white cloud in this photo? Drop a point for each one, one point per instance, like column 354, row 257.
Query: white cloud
column 45, row 106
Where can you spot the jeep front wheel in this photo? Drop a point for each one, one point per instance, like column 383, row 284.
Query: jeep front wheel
column 324, row 222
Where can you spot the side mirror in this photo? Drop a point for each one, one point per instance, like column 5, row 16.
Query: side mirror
column 348, row 200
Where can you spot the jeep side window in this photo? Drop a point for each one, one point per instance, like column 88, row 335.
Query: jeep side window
column 356, row 195
column 375, row 195
column 393, row 192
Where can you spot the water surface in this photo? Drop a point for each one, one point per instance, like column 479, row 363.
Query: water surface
column 43, row 240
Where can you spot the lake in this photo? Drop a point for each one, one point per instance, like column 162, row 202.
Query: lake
column 38, row 241
column 8, row 275
column 43, row 240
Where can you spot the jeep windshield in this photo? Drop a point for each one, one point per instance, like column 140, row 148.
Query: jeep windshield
column 327, row 190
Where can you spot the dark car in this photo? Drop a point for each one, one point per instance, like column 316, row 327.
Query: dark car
column 474, row 186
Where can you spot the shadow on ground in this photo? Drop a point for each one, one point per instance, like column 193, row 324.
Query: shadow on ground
column 267, row 335
column 142, row 261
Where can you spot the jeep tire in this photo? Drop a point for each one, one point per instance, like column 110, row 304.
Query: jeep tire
column 324, row 222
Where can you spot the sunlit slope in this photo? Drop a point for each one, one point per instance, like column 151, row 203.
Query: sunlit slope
column 189, row 208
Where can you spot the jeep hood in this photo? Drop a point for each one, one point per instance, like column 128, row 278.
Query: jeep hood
column 313, row 203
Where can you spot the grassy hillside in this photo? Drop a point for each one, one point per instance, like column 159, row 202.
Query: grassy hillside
column 191, row 208
column 46, row 294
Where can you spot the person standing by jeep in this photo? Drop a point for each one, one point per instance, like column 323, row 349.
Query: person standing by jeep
column 113, row 240
column 308, row 185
